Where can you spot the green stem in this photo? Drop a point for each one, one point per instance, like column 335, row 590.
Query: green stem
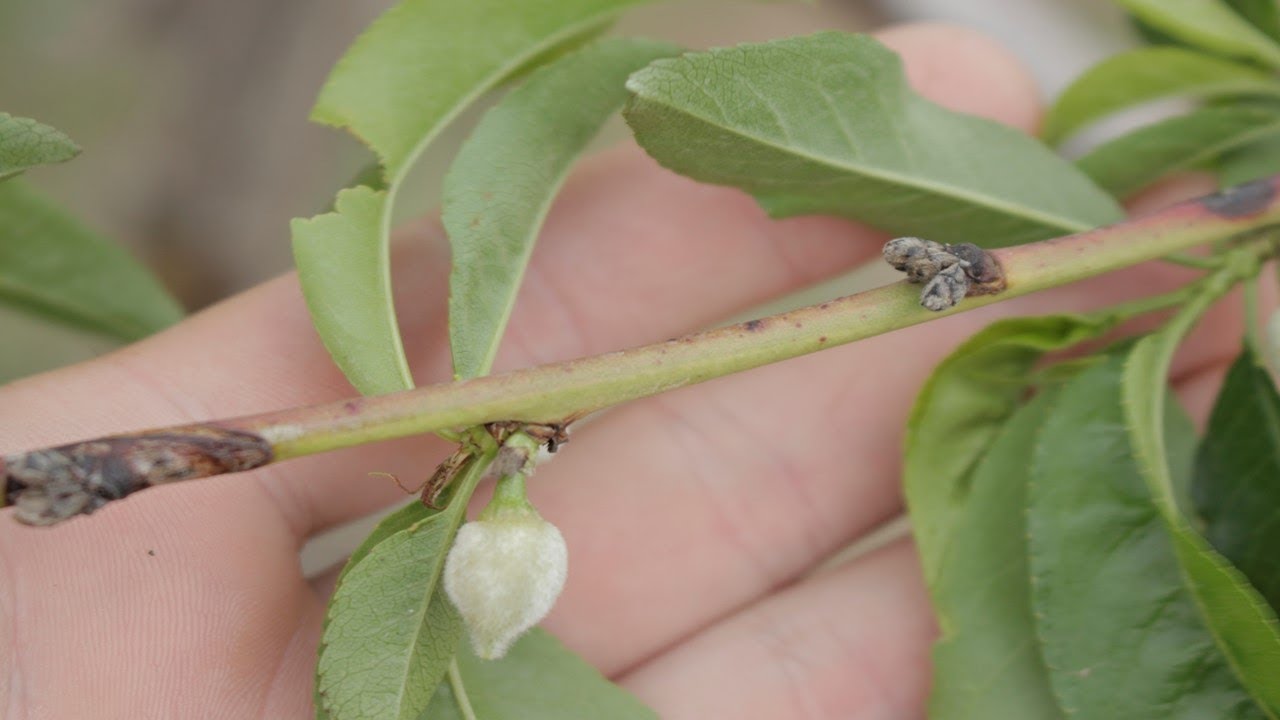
column 1155, row 355
column 564, row 391
column 1252, row 325
column 1155, row 303
column 1197, row 262
column 460, row 696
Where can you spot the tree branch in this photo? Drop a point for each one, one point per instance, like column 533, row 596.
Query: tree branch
column 555, row 394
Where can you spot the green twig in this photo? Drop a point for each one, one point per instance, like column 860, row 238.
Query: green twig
column 562, row 392
column 1252, row 326
column 1198, row 262
column 1154, row 303
column 460, row 697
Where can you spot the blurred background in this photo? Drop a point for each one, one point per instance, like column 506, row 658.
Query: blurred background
column 193, row 115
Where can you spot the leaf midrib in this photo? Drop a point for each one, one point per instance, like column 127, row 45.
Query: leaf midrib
column 452, row 519
column 891, row 177
column 453, row 515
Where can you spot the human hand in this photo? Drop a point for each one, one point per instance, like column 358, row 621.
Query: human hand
column 695, row 520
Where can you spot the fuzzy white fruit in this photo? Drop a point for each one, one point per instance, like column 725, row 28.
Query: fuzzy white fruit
column 504, row 573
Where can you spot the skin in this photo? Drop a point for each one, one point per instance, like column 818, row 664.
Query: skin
column 695, row 520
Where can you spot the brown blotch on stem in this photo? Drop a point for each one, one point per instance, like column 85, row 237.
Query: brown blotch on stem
column 985, row 275
column 52, row 485
column 1241, row 200
column 753, row 325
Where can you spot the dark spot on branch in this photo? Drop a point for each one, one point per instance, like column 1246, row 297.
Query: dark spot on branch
column 1241, row 200
column 982, row 267
column 51, row 485
column 753, row 325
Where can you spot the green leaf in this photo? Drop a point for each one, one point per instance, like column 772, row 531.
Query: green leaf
column 342, row 264
column 386, row 644
column 539, row 679
column 1121, row 634
column 1209, row 24
column 411, row 514
column 501, row 185
column 423, row 61
column 1135, row 160
column 1150, row 35
column 56, row 268
column 1251, row 162
column 408, row 76
column 828, row 124
column 25, row 143
column 1263, row 14
column 1237, row 480
column 390, row 631
column 1145, row 75
column 987, row 664
column 402, row 519
column 1243, row 626
column 968, row 447
column 962, row 408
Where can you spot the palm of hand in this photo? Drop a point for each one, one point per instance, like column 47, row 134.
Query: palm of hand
column 695, row 520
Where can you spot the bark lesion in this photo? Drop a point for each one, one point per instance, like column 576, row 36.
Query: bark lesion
column 51, row 485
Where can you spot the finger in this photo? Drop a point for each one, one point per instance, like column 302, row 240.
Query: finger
column 850, row 643
column 631, row 253
column 125, row 617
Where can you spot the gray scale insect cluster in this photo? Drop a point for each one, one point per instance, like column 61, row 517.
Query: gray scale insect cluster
column 949, row 273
